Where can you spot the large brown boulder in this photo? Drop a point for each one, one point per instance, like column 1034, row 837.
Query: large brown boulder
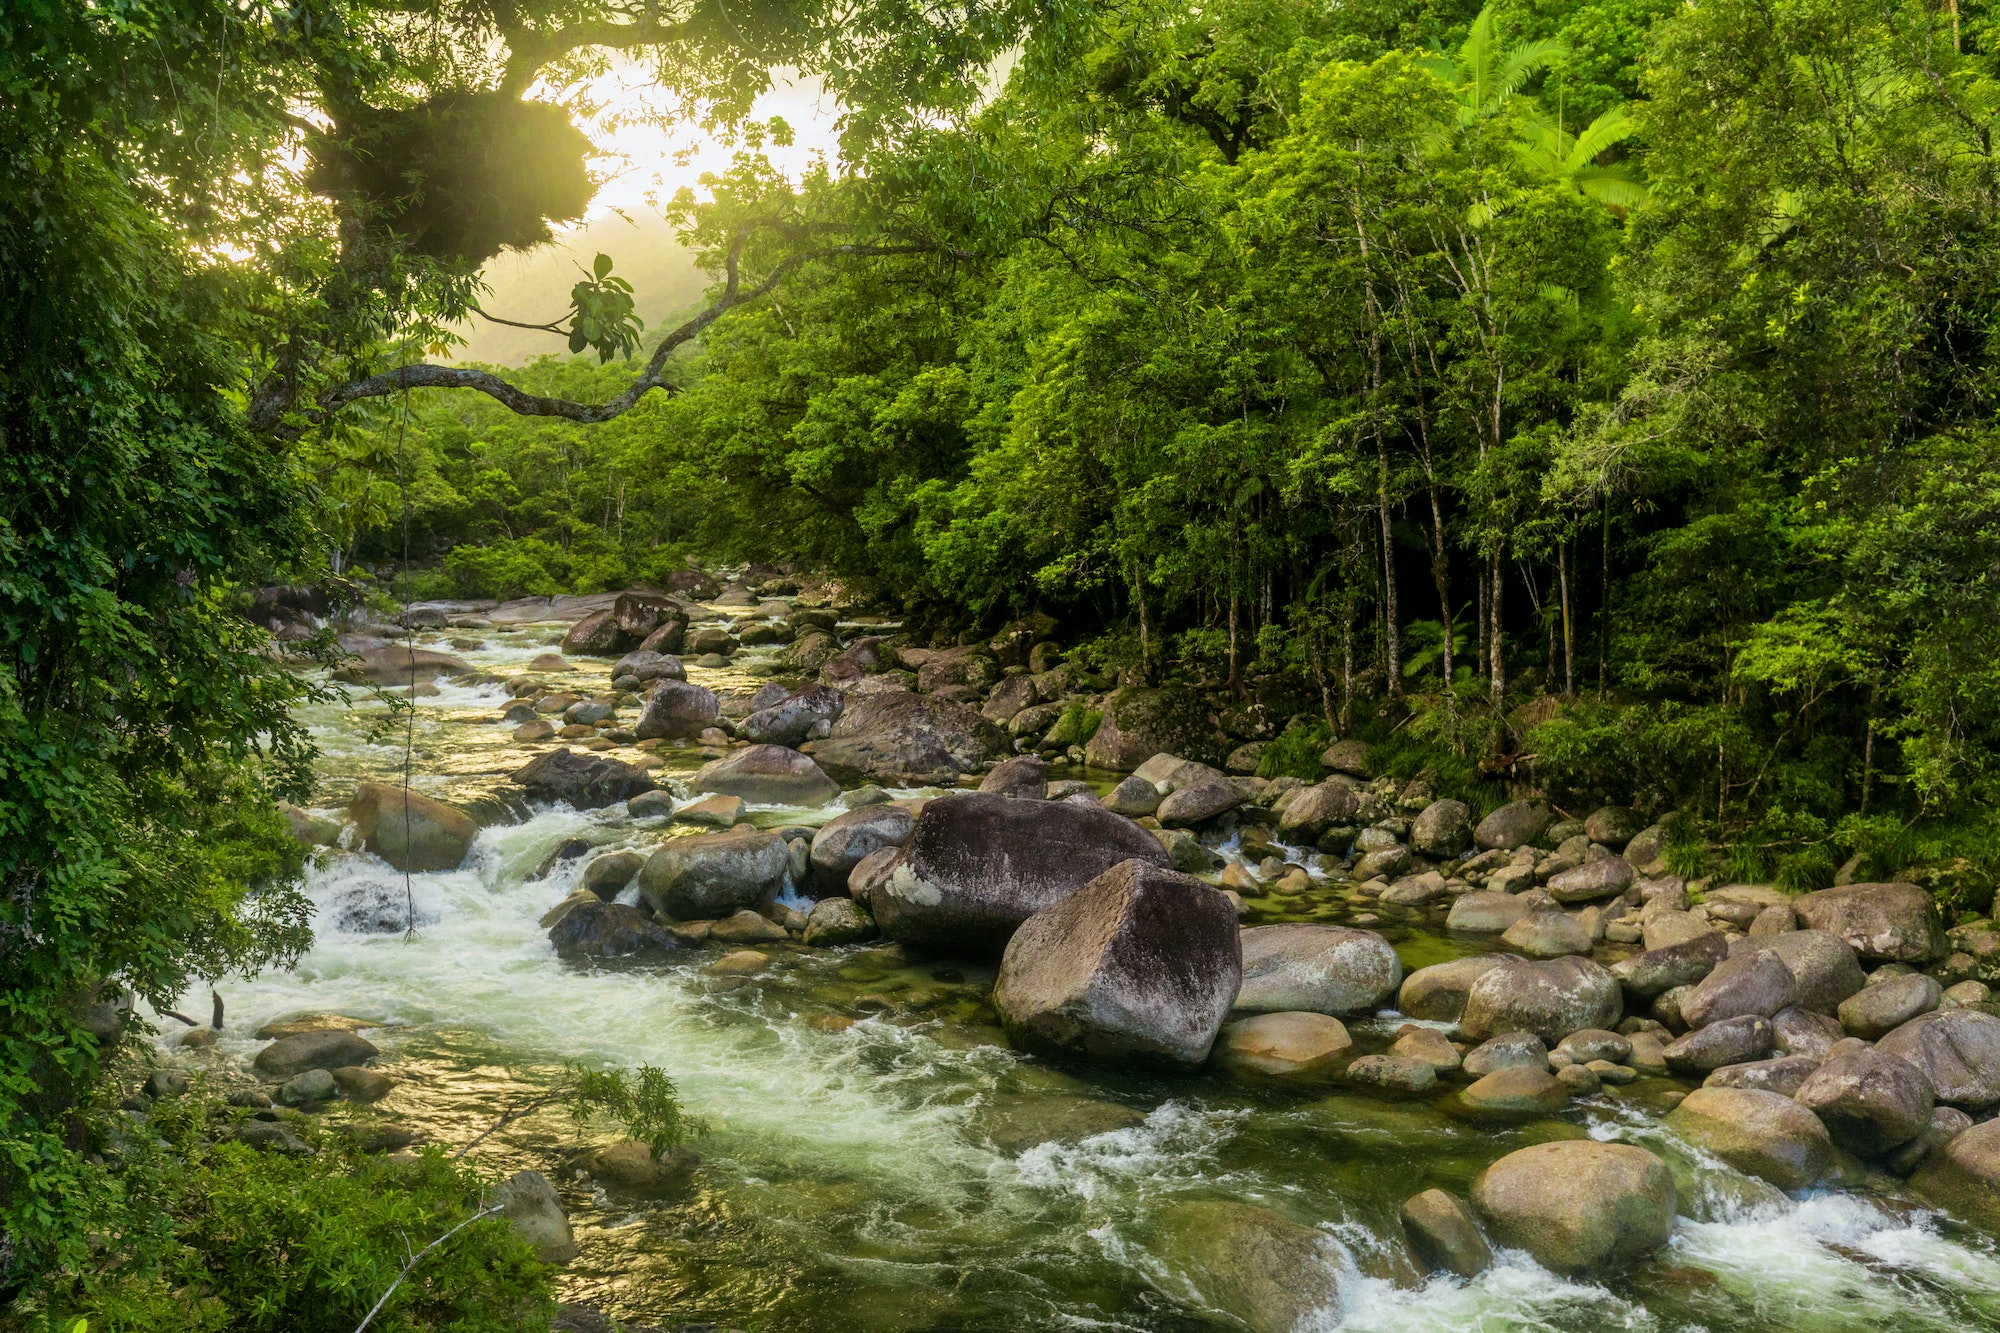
column 593, row 928
column 1896, row 923
column 596, row 635
column 1958, row 1050
column 1318, row 969
column 715, row 874
column 1823, row 963
column 326, row 1049
column 1963, row 1177
column 845, row 840
column 1871, row 1102
column 675, row 710
column 1578, row 1206
column 1657, row 971
column 907, row 740
column 409, row 831
column 1442, row 830
column 1139, row 965
column 1591, row 880
column 806, row 715
column 580, row 779
column 1438, row 992
column 1140, row 723
column 1755, row 982
column 1515, row 824
column 1550, row 999
column 1316, row 809
column 767, row 775
column 977, row 865
column 1760, row 1133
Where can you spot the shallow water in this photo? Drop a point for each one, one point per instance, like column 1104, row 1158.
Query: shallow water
column 870, row 1158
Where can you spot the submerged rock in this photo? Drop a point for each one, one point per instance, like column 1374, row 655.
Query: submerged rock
column 1257, row 1265
column 1578, row 1206
column 1140, row 964
column 630, row 1168
column 977, row 865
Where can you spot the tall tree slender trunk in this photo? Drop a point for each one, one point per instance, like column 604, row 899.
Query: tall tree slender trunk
column 1145, row 624
column 1604, row 602
column 1392, row 643
column 1441, row 576
column 1479, row 619
column 1496, row 658
column 1346, row 666
column 1569, row 641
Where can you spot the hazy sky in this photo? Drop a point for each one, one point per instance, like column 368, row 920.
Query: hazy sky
column 644, row 164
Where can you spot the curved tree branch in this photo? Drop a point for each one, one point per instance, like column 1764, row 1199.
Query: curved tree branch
column 426, row 376
column 528, row 50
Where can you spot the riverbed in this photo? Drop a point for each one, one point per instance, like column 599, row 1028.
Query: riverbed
column 875, row 1157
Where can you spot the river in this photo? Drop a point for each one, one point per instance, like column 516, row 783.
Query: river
column 864, row 1165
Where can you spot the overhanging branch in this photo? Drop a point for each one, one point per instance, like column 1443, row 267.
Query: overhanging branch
column 426, row 376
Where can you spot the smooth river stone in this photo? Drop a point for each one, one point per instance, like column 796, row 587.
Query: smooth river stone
column 1297, row 1045
column 1578, row 1206
column 1323, row 969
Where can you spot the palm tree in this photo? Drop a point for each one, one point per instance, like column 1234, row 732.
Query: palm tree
column 1483, row 74
column 1561, row 156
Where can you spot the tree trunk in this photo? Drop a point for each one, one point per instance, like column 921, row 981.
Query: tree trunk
column 1496, row 653
column 1145, row 625
column 1604, row 602
column 1346, row 667
column 1392, row 649
column 1569, row 643
column 1235, row 672
column 1441, row 576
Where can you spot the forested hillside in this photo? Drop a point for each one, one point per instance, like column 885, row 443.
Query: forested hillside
column 1606, row 388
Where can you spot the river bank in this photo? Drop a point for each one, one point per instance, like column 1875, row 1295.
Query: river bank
column 877, row 1155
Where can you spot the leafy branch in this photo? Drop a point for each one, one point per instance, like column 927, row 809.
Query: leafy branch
column 644, row 1100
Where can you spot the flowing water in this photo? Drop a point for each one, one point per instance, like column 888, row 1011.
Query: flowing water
column 876, row 1158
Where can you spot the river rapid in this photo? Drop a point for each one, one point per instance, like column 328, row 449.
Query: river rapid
column 875, row 1157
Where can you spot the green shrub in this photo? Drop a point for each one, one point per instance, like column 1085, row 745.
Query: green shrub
column 1296, row 753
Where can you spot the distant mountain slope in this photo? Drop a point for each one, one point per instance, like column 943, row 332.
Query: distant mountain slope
column 534, row 287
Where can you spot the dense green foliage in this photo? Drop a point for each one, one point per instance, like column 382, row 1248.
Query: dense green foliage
column 1632, row 355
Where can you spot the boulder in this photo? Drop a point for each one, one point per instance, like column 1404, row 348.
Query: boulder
column 529, row 1202
column 646, row 666
column 1139, row 965
column 1871, row 1101
column 630, row 1168
column 581, row 780
column 1008, row 698
column 1550, row 999
column 907, row 740
column 1797, row 1031
column 360, row 1084
column 1443, row 1233
column 1963, row 1176
column 1267, row 1273
column 795, row 719
column 1515, row 824
column 1320, row 969
column 1442, row 830
column 838, row 920
column 592, row 928
column 1591, row 880
column 1437, row 993
column 1876, row 1011
column 977, row 865
column 1657, row 971
column 744, row 926
column 1666, row 927
column 1728, row 1041
column 1487, row 913
column 1199, row 801
column 1755, row 982
column 1314, row 810
column 1509, row 1050
column 1578, row 1206
column 397, row 666
column 1140, row 723
column 1958, row 1051
column 767, row 775
column 1024, row 777
column 1612, row 825
column 576, row 898
column 1546, row 934
column 1429, row 1046
column 1823, row 963
column 713, row 874
column 712, row 811
column 1285, row 1045
column 1133, row 797
column 1784, row 1075
column 1516, row 1090
column 971, row 666
column 1392, row 1074
column 291, row 1056
column 1895, row 923
column 1349, row 757
column 1587, row 1044
column 596, row 635
column 1763, row 1134
column 676, row 710
column 866, row 656
column 845, row 840
column 410, row 832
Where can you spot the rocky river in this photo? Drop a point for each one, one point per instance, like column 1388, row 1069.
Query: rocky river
column 879, row 1153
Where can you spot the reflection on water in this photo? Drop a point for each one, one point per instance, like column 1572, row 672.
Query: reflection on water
column 875, row 1158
